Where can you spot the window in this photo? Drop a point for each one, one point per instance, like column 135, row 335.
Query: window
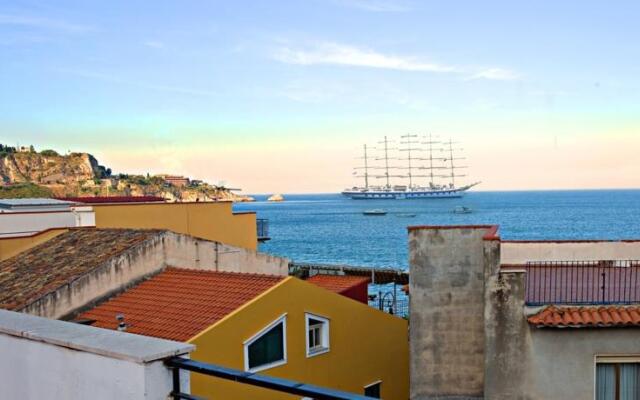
column 617, row 379
column 373, row 390
column 317, row 335
column 268, row 348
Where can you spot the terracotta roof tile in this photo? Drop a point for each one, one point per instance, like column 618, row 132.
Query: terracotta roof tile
column 337, row 283
column 179, row 303
column 42, row 269
column 582, row 317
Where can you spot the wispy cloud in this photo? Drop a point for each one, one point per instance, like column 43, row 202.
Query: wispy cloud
column 42, row 23
column 377, row 5
column 496, row 74
column 345, row 55
column 153, row 44
column 339, row 54
column 143, row 85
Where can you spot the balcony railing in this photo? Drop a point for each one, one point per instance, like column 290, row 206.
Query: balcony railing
column 262, row 226
column 248, row 378
column 583, row 282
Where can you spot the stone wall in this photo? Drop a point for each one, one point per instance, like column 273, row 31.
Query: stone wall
column 447, row 311
column 147, row 259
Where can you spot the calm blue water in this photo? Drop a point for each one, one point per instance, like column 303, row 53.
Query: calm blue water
column 328, row 228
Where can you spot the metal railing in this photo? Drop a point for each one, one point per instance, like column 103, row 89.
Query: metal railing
column 583, row 282
column 248, row 378
column 262, row 226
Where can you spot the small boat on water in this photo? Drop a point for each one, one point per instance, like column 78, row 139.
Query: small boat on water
column 462, row 210
column 405, row 215
column 376, row 211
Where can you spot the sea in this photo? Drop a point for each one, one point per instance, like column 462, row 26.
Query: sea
column 331, row 229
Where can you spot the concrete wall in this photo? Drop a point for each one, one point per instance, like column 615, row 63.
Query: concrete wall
column 521, row 252
column 447, row 322
column 213, row 221
column 146, row 259
column 24, row 224
column 187, row 252
column 366, row 345
column 49, row 359
column 525, row 362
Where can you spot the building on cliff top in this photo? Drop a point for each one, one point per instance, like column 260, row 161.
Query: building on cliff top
column 500, row 319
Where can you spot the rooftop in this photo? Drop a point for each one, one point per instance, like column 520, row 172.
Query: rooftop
column 13, row 204
column 89, row 339
column 115, row 199
column 44, row 268
column 586, row 317
column 338, row 283
column 177, row 304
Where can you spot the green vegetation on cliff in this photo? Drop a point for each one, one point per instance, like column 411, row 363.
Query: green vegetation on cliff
column 24, row 190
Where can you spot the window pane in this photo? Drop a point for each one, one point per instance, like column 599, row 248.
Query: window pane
column 629, row 381
column 373, row 391
column 268, row 348
column 606, row 382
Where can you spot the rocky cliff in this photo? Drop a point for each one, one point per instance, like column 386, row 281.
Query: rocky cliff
column 25, row 172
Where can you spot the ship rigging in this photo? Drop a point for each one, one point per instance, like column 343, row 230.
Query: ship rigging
column 437, row 161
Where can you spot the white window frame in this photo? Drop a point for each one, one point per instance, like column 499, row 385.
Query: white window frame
column 612, row 359
column 281, row 319
column 326, row 334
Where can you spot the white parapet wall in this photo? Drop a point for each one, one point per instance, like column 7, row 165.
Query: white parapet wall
column 521, row 252
column 20, row 224
column 56, row 360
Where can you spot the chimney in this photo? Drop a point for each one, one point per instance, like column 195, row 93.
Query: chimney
column 121, row 325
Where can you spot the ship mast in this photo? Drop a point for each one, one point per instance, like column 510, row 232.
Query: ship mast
column 430, row 142
column 452, row 166
column 386, row 159
column 366, row 168
column 409, row 142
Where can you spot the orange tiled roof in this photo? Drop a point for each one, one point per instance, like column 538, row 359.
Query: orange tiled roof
column 179, row 303
column 583, row 317
column 337, row 283
column 28, row 276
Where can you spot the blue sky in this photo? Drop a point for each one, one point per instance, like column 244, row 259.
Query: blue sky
column 279, row 95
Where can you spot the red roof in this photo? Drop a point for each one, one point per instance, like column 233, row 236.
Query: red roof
column 177, row 304
column 583, row 317
column 338, row 283
column 113, row 199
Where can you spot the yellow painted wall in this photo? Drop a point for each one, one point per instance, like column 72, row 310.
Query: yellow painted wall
column 366, row 345
column 211, row 221
column 9, row 247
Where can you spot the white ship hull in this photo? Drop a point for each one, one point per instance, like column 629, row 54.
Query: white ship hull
column 417, row 193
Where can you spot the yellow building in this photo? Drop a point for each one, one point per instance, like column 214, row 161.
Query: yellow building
column 278, row 326
column 213, row 221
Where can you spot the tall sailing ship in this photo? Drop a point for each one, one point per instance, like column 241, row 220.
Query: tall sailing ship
column 422, row 157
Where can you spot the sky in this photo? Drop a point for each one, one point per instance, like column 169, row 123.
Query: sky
column 279, row 96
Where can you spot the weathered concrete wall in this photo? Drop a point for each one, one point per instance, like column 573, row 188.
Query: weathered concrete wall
column 49, row 359
column 144, row 259
column 184, row 251
column 524, row 362
column 447, row 311
column 506, row 339
column 147, row 259
column 521, row 252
